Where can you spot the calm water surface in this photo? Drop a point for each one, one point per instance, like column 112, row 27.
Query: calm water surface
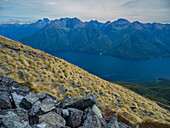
column 114, row 69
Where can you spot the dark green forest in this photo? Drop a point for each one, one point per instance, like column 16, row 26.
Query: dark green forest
column 158, row 91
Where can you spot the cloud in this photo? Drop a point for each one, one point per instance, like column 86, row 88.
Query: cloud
column 131, row 3
column 102, row 10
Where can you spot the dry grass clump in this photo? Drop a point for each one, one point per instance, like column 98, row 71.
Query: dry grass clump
column 151, row 124
column 109, row 114
column 47, row 74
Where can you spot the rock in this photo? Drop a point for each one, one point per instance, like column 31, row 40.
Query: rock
column 112, row 124
column 20, row 74
column 75, row 117
column 35, row 108
column 58, row 111
column 13, row 86
column 62, row 88
column 92, row 120
column 86, row 127
column 5, row 102
column 66, row 100
column 17, row 99
column 29, row 100
column 22, row 113
column 47, row 105
column 3, row 89
column 97, row 111
column 6, row 81
column 103, row 122
column 42, row 125
column 107, row 107
column 1, row 77
column 117, row 105
column 83, row 102
column 67, row 127
column 52, row 120
column 65, row 112
column 86, row 93
column 12, row 120
column 118, row 99
column 20, row 90
column 52, row 97
column 40, row 110
column 41, row 95
column 133, row 108
column 109, row 115
column 122, row 125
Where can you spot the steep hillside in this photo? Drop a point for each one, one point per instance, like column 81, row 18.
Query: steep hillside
column 59, row 78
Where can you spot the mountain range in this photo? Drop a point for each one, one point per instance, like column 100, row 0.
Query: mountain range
column 121, row 38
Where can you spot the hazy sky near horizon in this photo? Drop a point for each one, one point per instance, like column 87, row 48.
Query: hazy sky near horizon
column 102, row 10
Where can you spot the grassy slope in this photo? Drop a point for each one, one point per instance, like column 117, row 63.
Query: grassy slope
column 47, row 73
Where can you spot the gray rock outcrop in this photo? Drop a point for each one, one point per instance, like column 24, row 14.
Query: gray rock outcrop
column 20, row 108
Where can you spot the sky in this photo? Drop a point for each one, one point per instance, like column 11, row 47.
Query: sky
column 101, row 10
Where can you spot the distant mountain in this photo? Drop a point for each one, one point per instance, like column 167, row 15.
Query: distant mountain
column 120, row 38
column 69, row 34
column 17, row 31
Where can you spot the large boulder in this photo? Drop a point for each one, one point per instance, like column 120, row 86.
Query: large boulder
column 52, row 120
column 12, row 86
column 22, row 113
column 75, row 117
column 12, row 120
column 83, row 102
column 91, row 120
column 6, row 81
column 5, row 102
column 34, row 112
column 47, row 105
column 41, row 96
column 29, row 100
column 97, row 111
column 20, row 90
column 17, row 99
column 66, row 100
column 35, row 108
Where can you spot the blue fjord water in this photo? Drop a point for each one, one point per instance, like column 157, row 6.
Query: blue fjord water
column 115, row 69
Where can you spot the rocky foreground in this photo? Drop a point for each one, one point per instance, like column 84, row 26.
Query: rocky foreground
column 20, row 108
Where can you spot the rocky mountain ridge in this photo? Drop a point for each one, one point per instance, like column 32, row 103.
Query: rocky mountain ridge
column 121, row 38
